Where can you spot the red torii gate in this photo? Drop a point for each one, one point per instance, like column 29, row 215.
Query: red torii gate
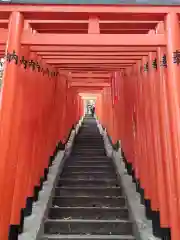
column 142, row 107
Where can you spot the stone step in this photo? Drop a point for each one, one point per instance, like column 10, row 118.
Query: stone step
column 88, row 164
column 89, row 213
column 88, row 174
column 118, row 227
column 89, row 142
column 87, row 149
column 89, row 139
column 89, row 136
column 92, row 163
column 88, row 191
column 88, row 146
column 73, row 201
column 89, row 154
column 74, row 168
column 84, row 182
column 90, row 177
column 86, row 237
column 89, row 158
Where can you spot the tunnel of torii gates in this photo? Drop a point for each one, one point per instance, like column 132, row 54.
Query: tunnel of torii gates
column 126, row 55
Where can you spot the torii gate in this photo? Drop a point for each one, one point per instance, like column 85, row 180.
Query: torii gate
column 54, row 52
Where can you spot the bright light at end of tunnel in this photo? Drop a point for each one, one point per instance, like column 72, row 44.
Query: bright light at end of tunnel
column 88, row 96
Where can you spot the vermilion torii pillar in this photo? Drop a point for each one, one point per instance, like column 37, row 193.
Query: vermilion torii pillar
column 154, row 92
column 9, row 134
column 173, row 97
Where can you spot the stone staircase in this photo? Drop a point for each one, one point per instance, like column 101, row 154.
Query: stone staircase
column 88, row 201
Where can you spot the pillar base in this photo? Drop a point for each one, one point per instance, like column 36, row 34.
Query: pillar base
column 46, row 171
column 21, row 226
column 36, row 193
column 51, row 158
column 128, row 165
column 124, row 159
column 62, row 146
column 137, row 185
column 122, row 153
column 131, row 172
column 116, row 146
column 41, row 183
column 29, row 206
column 13, row 232
column 129, row 168
column 157, row 230
column 133, row 176
column 166, row 233
column 141, row 192
column 148, row 211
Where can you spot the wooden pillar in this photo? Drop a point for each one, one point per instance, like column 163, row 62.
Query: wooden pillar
column 24, row 150
column 8, row 116
column 173, row 44
column 160, row 224
column 171, row 116
column 141, row 151
column 138, row 140
column 64, row 112
column 150, row 190
column 113, row 106
column 165, row 137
